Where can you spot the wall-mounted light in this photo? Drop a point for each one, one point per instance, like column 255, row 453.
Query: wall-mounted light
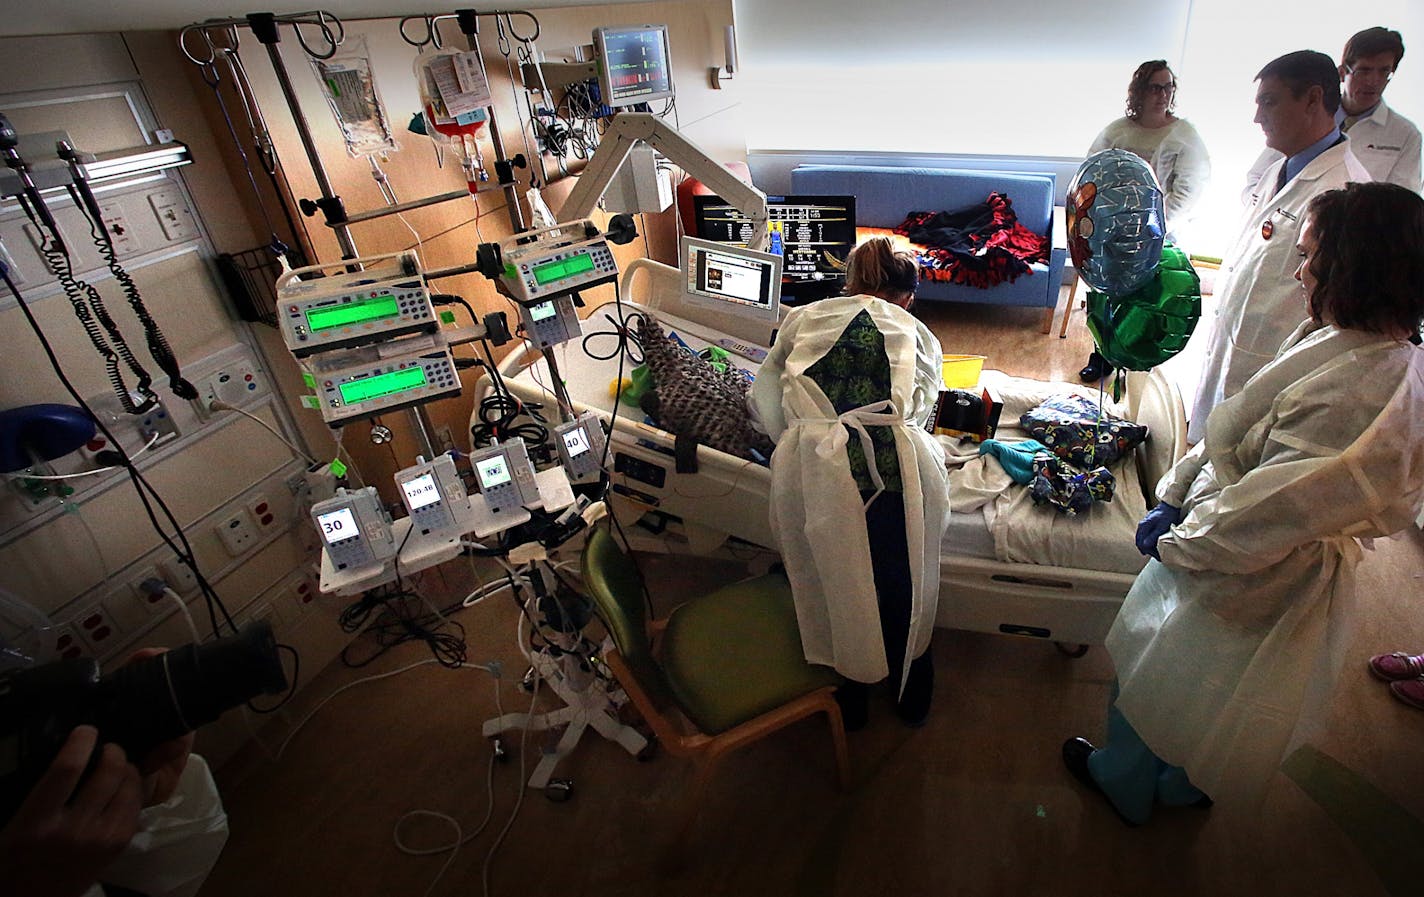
column 716, row 75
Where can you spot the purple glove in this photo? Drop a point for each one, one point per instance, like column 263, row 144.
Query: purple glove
column 1155, row 525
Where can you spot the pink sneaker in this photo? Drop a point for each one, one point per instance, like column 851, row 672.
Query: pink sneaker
column 1410, row 691
column 1397, row 666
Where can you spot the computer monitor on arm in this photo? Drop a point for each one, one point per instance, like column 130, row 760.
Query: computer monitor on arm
column 731, row 279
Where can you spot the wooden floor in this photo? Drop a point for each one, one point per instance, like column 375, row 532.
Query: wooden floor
column 974, row 803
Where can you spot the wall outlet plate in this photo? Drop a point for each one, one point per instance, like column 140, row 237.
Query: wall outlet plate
column 127, row 609
column 96, row 628
column 302, row 595
column 179, row 576
column 156, row 421
column 264, row 515
column 237, row 532
column 62, row 643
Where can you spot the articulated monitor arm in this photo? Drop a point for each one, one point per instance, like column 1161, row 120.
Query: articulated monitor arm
column 630, row 127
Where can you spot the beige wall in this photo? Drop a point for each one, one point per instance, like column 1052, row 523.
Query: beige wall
column 68, row 557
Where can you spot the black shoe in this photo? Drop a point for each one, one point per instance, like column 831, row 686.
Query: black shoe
column 1076, row 752
column 1096, row 368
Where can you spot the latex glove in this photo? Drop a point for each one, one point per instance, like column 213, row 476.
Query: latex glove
column 1155, row 525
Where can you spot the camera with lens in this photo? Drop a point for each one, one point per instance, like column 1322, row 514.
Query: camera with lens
column 137, row 707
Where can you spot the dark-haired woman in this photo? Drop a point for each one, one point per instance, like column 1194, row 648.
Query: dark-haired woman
column 1229, row 639
column 859, row 493
column 1174, row 149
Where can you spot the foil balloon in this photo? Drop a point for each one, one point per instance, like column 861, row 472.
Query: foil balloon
column 1115, row 221
column 1141, row 329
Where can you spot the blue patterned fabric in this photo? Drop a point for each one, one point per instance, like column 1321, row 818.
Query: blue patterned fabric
column 1074, row 430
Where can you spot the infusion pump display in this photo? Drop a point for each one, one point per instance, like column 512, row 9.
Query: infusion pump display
column 355, row 527
column 371, row 388
column 542, row 264
column 505, row 477
column 434, row 495
column 350, row 310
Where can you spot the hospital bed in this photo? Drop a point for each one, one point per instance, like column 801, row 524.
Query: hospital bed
column 1007, row 566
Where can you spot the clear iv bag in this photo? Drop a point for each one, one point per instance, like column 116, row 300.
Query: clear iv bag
column 350, row 89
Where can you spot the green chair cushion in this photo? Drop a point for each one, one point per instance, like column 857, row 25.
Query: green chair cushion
column 736, row 653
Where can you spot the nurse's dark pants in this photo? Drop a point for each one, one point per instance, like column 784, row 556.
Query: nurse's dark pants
column 890, row 562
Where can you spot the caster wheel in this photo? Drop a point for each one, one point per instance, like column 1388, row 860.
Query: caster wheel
column 500, row 753
column 1074, row 651
column 559, row 790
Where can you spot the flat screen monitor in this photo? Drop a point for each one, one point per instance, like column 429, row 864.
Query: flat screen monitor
column 813, row 234
column 634, row 65
column 731, row 279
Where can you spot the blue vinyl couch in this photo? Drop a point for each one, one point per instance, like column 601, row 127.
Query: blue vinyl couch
column 885, row 195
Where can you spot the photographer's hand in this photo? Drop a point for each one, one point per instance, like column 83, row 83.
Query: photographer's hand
column 65, row 833
column 163, row 765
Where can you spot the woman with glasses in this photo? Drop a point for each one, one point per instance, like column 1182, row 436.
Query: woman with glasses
column 1173, row 148
column 859, row 489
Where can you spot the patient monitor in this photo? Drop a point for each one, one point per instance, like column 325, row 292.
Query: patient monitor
column 731, row 279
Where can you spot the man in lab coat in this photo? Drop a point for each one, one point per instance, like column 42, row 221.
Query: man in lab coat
column 1258, row 304
column 1385, row 142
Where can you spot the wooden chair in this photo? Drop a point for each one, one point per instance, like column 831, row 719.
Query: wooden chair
column 728, row 669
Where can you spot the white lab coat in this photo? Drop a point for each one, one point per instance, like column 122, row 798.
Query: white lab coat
column 1386, row 143
column 1178, row 157
column 1258, row 300
column 1218, row 645
column 817, row 512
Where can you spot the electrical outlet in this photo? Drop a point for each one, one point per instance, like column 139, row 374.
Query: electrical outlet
column 302, row 595
column 97, row 628
column 62, row 643
column 156, row 421
column 154, row 604
column 237, row 533
column 179, row 576
column 263, row 514
column 236, row 385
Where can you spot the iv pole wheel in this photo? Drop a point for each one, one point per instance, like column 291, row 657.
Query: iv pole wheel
column 559, row 790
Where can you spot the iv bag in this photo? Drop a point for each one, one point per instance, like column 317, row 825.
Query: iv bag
column 350, row 90
column 453, row 94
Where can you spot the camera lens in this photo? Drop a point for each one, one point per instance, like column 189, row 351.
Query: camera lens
column 147, row 703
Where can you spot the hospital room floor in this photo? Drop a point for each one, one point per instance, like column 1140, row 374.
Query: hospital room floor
column 975, row 803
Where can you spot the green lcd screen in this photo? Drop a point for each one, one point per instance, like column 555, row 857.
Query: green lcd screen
column 569, row 267
column 372, row 309
column 382, row 385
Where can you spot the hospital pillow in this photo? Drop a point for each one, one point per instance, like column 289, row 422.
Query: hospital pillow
column 1074, row 430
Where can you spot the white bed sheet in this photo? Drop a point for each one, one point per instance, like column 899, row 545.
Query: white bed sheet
column 993, row 517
